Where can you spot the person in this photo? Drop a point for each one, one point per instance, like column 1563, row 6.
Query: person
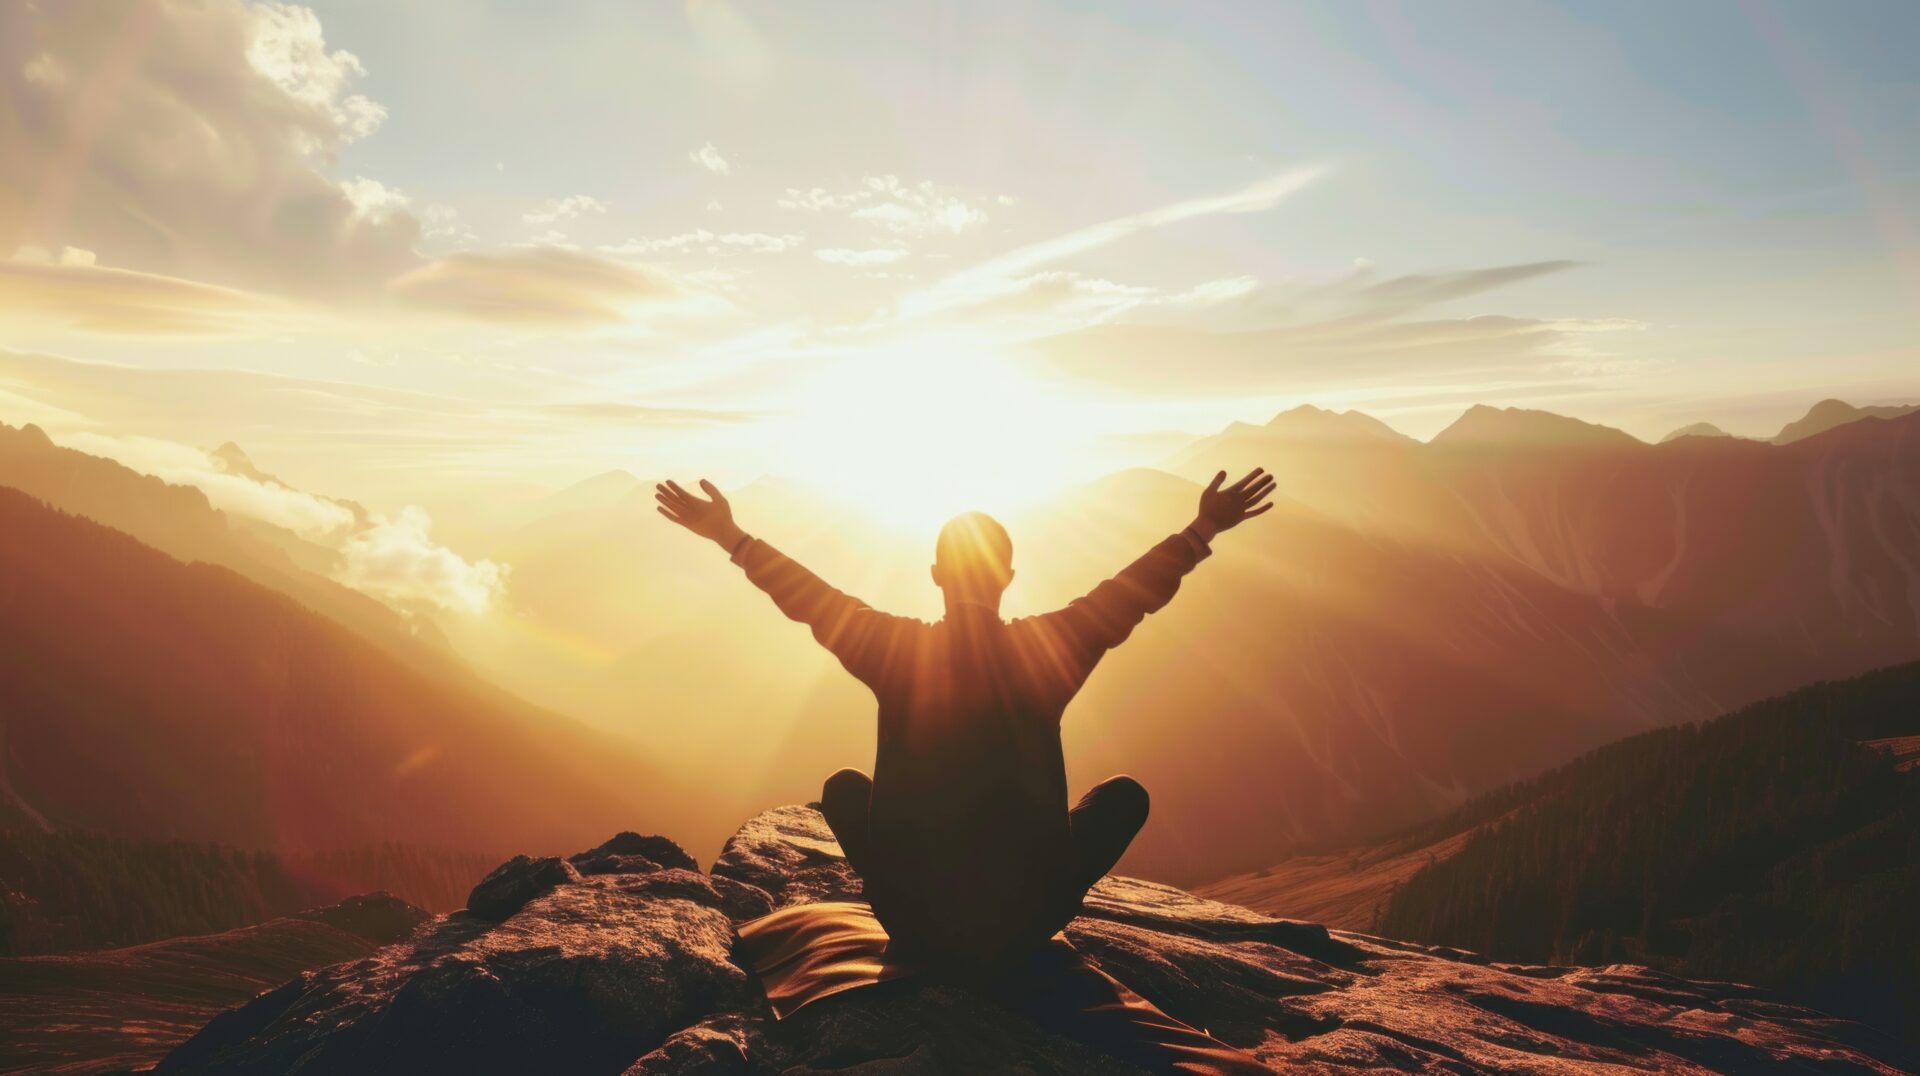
column 962, row 838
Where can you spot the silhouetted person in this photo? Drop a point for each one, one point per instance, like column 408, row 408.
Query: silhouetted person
column 962, row 836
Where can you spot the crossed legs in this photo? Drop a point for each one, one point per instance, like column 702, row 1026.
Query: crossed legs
column 1103, row 823
column 846, row 801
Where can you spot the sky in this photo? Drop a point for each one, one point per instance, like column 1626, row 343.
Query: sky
column 426, row 252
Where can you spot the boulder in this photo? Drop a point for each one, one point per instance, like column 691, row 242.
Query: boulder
column 632, row 972
column 507, row 888
column 630, row 845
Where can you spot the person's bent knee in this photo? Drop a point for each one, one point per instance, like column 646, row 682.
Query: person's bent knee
column 846, row 785
column 1129, row 796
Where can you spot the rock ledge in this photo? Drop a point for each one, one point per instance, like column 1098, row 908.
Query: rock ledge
column 618, row 960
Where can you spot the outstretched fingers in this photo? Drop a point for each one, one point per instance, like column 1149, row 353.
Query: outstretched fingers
column 1253, row 500
column 1251, row 476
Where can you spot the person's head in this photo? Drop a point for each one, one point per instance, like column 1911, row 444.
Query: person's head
column 973, row 559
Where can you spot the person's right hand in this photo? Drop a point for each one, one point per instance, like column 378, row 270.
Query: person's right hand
column 1224, row 509
column 710, row 518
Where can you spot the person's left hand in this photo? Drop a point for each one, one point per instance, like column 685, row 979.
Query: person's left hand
column 710, row 518
column 1224, row 509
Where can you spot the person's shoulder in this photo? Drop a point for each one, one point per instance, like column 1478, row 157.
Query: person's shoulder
column 1034, row 622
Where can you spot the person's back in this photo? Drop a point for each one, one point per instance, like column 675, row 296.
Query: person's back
column 963, row 837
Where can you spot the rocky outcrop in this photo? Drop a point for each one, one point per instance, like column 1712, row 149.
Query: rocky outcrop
column 630, row 970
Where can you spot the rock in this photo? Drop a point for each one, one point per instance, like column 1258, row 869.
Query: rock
column 630, row 972
column 509, row 887
column 660, row 850
column 378, row 917
column 587, row 977
column 612, row 863
column 742, row 900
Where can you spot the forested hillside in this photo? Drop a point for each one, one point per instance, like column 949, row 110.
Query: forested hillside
column 1779, row 845
column 69, row 890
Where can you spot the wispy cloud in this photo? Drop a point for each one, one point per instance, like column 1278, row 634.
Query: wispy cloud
column 555, row 210
column 710, row 159
column 708, row 242
column 543, row 286
column 991, row 277
column 72, row 292
column 908, row 210
column 872, row 256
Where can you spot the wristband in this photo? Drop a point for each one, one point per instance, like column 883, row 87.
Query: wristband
column 739, row 545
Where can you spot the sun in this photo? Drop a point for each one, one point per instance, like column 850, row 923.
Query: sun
column 913, row 435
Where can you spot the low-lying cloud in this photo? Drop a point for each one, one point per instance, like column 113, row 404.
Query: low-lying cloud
column 395, row 558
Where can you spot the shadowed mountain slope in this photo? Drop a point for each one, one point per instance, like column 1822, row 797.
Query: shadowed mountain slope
column 179, row 521
column 150, row 698
column 1774, row 845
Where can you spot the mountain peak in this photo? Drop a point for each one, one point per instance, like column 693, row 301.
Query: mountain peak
column 1485, row 425
column 1696, row 429
column 29, row 434
column 1318, row 422
column 1830, row 413
column 618, row 476
column 232, row 460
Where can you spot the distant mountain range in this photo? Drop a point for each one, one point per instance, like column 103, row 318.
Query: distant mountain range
column 1820, row 418
column 1416, row 623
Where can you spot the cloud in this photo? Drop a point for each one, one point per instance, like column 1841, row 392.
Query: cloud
column 309, row 516
column 396, row 558
column 73, row 293
column 709, row 158
column 1185, row 361
column 815, row 200
column 876, row 256
column 908, row 210
column 1235, row 336
column 1361, row 294
column 443, row 222
column 991, row 277
column 544, row 286
column 626, row 414
column 918, row 210
column 288, row 47
column 554, row 210
column 709, row 243
column 393, row 558
column 185, row 140
column 1050, row 297
column 371, row 198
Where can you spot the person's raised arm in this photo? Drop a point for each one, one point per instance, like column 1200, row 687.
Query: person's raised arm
column 1090, row 626
column 860, row 637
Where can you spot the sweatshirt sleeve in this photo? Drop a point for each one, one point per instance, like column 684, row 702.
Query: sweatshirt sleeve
column 1092, row 625
column 861, row 637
